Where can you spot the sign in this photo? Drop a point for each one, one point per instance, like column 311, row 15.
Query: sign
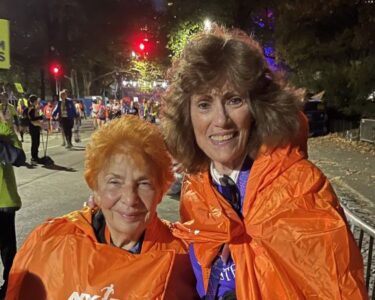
column 4, row 44
column 19, row 87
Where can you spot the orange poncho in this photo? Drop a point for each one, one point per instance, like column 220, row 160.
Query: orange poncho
column 62, row 259
column 293, row 241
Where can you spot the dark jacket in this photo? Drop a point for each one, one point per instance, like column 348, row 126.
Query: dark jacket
column 71, row 110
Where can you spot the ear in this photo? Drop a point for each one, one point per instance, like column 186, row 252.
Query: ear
column 95, row 198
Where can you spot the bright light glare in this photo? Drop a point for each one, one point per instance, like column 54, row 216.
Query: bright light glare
column 207, row 25
column 142, row 46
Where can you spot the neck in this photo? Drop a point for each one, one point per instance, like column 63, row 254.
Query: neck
column 228, row 168
column 124, row 241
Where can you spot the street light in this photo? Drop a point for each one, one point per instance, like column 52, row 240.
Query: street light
column 207, row 25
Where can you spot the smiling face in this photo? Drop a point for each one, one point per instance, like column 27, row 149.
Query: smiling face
column 221, row 122
column 127, row 196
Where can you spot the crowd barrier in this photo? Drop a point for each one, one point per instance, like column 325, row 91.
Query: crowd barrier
column 364, row 235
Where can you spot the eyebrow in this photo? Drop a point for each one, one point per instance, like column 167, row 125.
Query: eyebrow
column 226, row 95
column 231, row 94
column 141, row 178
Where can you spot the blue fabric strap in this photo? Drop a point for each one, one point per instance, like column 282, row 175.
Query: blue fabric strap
column 213, row 283
column 235, row 196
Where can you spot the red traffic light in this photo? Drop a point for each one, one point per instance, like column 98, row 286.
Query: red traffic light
column 56, row 70
column 141, row 46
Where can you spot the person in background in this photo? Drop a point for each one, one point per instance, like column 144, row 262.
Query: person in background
column 120, row 247
column 262, row 221
column 116, row 109
column 11, row 153
column 94, row 114
column 35, row 126
column 66, row 112
column 22, row 108
column 47, row 112
column 9, row 112
column 78, row 120
column 102, row 112
column 133, row 109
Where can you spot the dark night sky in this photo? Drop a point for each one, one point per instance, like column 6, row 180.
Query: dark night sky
column 120, row 17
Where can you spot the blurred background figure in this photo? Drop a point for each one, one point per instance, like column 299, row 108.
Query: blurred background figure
column 22, row 107
column 11, row 153
column 35, row 127
column 66, row 112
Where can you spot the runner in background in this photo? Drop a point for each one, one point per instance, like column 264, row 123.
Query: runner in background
column 22, row 107
column 47, row 111
column 102, row 113
column 35, row 126
column 78, row 120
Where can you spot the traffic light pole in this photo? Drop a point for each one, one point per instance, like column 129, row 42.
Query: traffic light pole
column 57, row 86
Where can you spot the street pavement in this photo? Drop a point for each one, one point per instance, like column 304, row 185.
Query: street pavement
column 350, row 167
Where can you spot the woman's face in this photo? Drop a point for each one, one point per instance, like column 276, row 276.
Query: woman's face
column 221, row 121
column 127, row 195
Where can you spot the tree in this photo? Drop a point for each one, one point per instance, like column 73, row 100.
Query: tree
column 181, row 34
column 329, row 45
column 146, row 72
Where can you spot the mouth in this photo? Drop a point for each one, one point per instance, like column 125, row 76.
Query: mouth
column 222, row 138
column 131, row 216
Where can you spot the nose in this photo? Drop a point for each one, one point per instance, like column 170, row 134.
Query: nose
column 221, row 116
column 129, row 196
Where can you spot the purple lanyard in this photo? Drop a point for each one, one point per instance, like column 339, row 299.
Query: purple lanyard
column 234, row 194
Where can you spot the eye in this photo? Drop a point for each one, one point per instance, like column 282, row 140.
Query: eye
column 145, row 184
column 114, row 182
column 235, row 101
column 203, row 105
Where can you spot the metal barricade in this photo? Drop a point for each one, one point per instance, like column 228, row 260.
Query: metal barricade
column 364, row 235
column 367, row 130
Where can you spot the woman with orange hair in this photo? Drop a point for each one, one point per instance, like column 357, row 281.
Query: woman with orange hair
column 121, row 249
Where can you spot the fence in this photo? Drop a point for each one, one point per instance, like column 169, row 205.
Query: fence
column 367, row 132
column 364, row 235
column 341, row 125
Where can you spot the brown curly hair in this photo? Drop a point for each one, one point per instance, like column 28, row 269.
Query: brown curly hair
column 203, row 64
column 143, row 138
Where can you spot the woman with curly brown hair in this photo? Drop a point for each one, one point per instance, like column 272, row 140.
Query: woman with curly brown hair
column 262, row 221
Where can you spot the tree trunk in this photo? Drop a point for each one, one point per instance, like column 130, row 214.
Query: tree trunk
column 87, row 81
column 75, row 79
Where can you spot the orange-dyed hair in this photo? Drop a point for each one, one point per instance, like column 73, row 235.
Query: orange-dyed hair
column 129, row 132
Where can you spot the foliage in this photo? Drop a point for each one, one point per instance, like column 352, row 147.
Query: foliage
column 146, row 72
column 329, row 45
column 88, row 37
column 181, row 35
